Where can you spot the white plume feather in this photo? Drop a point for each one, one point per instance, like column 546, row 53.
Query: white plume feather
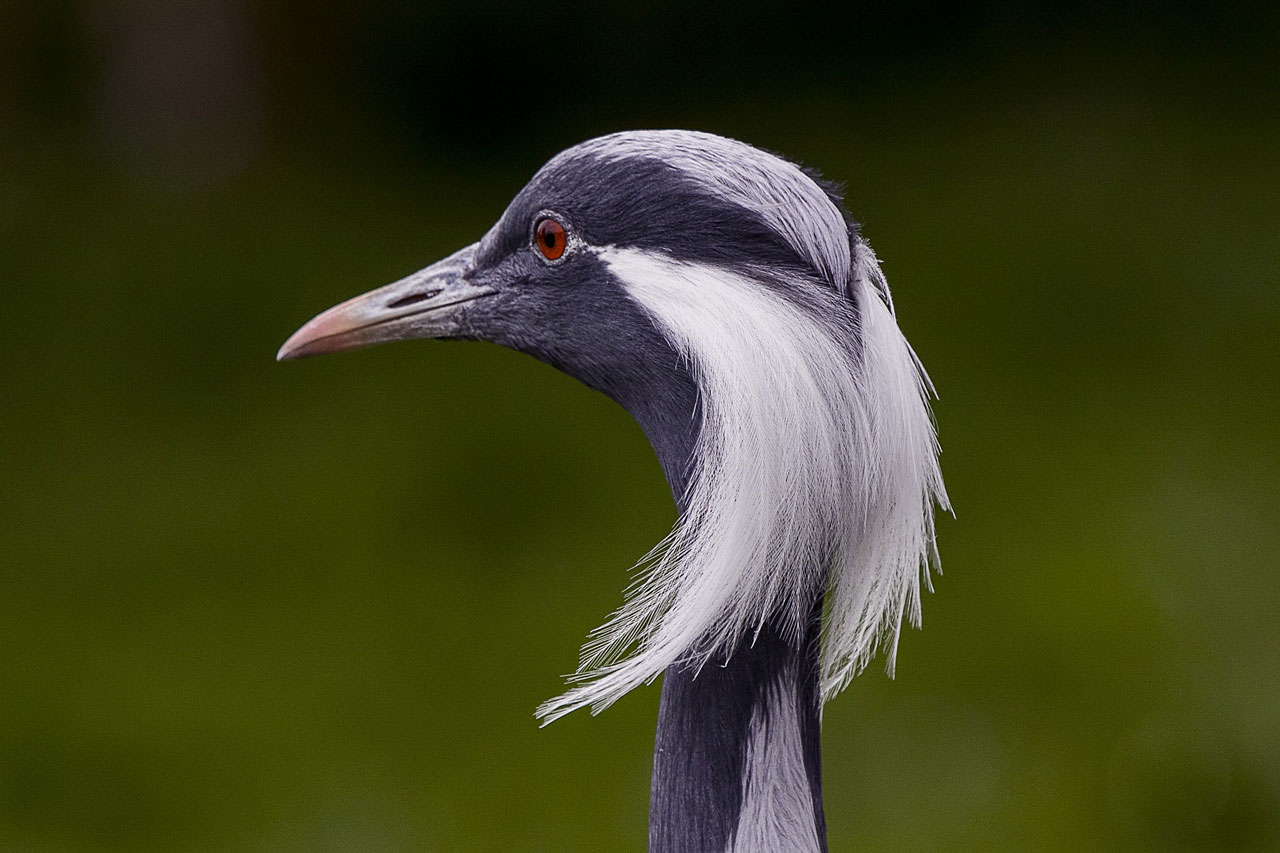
column 816, row 468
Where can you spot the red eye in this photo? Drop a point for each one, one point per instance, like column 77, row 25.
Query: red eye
column 551, row 238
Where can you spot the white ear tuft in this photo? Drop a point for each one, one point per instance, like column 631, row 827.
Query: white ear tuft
column 815, row 468
column 875, row 582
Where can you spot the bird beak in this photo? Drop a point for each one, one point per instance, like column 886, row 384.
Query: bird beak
column 426, row 304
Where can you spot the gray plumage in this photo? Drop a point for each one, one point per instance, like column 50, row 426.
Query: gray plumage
column 724, row 298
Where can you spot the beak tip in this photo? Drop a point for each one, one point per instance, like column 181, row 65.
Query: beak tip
column 302, row 343
column 287, row 352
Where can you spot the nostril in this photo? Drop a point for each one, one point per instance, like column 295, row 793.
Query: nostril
column 415, row 297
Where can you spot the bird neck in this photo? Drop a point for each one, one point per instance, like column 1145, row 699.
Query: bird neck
column 737, row 759
column 737, row 763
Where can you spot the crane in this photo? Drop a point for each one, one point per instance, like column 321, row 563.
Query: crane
column 723, row 297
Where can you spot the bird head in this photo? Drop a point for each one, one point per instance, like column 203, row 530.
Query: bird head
column 721, row 295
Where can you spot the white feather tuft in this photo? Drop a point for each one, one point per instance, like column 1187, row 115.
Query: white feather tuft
column 816, row 468
column 879, row 565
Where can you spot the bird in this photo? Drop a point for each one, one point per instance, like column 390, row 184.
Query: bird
column 724, row 297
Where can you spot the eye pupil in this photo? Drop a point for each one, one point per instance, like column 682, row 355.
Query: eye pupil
column 550, row 238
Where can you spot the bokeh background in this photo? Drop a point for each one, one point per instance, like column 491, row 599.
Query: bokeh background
column 250, row 606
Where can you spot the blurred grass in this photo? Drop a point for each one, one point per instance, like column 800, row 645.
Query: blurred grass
column 312, row 606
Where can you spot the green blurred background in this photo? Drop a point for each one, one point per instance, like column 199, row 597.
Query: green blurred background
column 312, row 606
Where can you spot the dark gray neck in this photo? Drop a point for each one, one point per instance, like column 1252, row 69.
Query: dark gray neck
column 737, row 760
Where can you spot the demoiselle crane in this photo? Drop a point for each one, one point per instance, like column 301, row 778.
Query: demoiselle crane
column 723, row 297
